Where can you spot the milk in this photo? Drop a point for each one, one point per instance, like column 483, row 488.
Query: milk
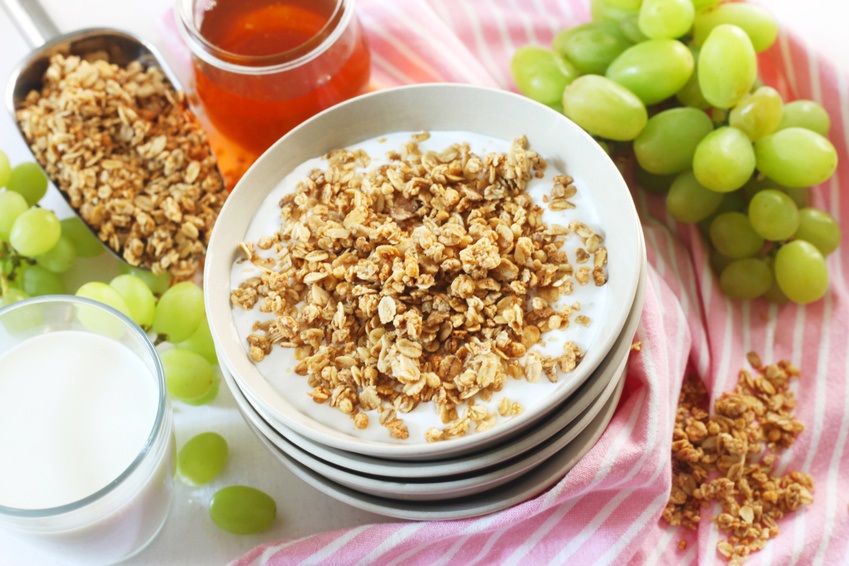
column 75, row 411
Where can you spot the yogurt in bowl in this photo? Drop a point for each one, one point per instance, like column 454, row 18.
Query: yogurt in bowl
column 455, row 263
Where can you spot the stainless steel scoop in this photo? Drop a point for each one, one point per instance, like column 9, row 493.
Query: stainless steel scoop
column 46, row 40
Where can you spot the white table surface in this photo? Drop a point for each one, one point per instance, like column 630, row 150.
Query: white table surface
column 189, row 536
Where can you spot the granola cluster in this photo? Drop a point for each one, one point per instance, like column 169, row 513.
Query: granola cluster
column 130, row 157
column 722, row 458
column 425, row 279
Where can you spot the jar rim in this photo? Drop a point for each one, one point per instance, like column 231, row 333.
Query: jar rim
column 298, row 56
column 160, row 419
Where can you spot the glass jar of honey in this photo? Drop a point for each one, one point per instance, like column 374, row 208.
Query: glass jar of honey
column 261, row 67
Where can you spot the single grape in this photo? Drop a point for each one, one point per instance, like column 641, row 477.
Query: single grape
column 34, row 232
column 668, row 142
column 653, row 70
column 85, row 242
column 210, row 395
column 746, row 278
column 200, row 342
column 756, row 21
column 12, row 205
column 612, row 10
column 591, row 47
column 724, row 160
column 156, row 283
column 37, row 281
column 188, row 376
column 796, row 157
column 540, row 73
column 29, row 180
column 806, row 114
column 242, row 510
column 801, row 272
column 5, row 169
column 666, row 19
column 773, row 215
column 604, row 108
column 819, row 228
column 202, row 458
column 101, row 292
column 60, row 257
column 179, row 311
column 732, row 235
column 688, row 201
column 758, row 114
column 728, row 66
column 138, row 297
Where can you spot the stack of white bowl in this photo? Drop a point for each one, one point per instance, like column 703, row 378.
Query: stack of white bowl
column 480, row 472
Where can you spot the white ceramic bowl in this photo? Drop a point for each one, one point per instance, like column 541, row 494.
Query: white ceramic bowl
column 434, row 107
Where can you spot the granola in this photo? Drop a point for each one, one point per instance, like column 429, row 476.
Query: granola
column 729, row 457
column 130, row 157
column 428, row 279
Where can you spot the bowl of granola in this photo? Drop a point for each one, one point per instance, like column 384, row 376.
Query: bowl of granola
column 422, row 271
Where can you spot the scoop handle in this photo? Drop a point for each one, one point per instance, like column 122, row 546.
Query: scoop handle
column 31, row 20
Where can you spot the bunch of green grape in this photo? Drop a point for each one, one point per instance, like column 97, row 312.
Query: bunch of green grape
column 35, row 246
column 675, row 84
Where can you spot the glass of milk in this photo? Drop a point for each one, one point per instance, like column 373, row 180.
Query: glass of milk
column 86, row 442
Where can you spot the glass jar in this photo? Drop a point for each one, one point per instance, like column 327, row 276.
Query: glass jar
column 261, row 67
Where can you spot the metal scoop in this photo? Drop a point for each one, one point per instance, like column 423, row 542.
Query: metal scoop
column 46, row 40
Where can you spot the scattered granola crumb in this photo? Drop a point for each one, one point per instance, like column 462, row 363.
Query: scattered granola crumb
column 425, row 280
column 130, row 158
column 637, row 346
column 729, row 457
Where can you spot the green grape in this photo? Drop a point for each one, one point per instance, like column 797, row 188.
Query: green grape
column 604, row 108
column 101, row 292
column 29, row 180
column 85, row 242
column 806, row 114
column 202, row 458
column 758, row 114
column 541, row 74
column 612, row 10
column 705, row 4
column 37, row 281
column 60, row 257
column 732, row 235
column 210, row 395
column 651, row 182
column 735, row 201
column 819, row 228
column 653, row 70
column 796, row 157
column 12, row 295
column 179, row 311
column 12, row 205
column 666, row 19
column 242, row 510
column 668, row 142
column 591, row 47
column 188, row 376
column 34, row 232
column 746, row 278
column 728, row 66
column 138, row 297
column 690, row 202
column 801, row 272
column 5, row 169
column 799, row 195
column 200, row 342
column 755, row 20
column 724, row 160
column 773, row 214
column 156, row 283
column 691, row 93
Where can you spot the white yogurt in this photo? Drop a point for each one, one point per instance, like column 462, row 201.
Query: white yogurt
column 278, row 367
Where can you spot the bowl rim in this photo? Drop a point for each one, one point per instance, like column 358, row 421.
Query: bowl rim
column 417, row 108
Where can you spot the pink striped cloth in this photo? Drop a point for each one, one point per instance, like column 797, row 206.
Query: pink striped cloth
column 607, row 509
